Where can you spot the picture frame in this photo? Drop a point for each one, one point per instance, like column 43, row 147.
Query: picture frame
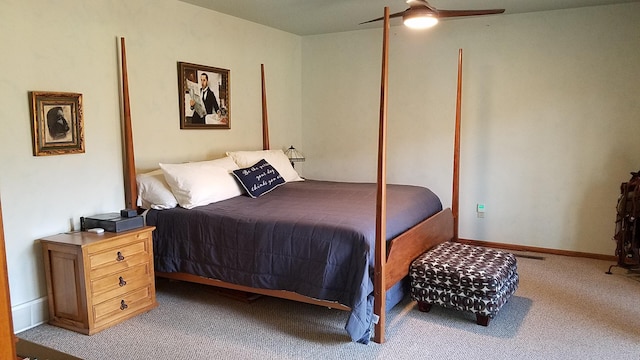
column 57, row 123
column 203, row 110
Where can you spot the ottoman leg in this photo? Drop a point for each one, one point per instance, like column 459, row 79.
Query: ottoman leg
column 482, row 320
column 424, row 306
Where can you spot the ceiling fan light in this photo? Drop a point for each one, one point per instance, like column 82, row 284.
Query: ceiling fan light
column 419, row 19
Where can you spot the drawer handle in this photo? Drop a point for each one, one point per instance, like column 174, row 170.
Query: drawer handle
column 123, row 305
column 122, row 282
column 120, row 257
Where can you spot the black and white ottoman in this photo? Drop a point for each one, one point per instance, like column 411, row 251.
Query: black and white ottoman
column 464, row 277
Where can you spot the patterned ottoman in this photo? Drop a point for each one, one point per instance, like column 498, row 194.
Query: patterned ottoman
column 464, row 277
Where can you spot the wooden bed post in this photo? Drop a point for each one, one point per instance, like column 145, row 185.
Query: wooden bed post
column 379, row 287
column 130, row 186
column 7, row 337
column 455, row 198
column 265, row 120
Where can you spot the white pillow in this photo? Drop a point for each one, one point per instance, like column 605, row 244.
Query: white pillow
column 154, row 192
column 226, row 162
column 276, row 158
column 201, row 183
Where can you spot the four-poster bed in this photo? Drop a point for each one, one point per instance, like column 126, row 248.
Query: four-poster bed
column 391, row 258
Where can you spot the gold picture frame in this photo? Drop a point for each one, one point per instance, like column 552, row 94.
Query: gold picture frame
column 200, row 109
column 57, row 123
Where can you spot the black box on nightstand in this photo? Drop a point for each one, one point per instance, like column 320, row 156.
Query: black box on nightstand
column 113, row 222
column 127, row 213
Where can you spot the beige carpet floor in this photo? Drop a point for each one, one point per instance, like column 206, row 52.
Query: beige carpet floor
column 565, row 308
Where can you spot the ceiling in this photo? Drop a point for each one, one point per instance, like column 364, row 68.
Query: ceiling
column 311, row 17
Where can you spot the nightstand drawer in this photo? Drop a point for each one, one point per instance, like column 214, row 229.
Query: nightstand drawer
column 119, row 283
column 118, row 255
column 121, row 306
column 118, row 259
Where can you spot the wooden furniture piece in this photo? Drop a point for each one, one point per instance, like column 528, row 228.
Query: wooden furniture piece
column 29, row 350
column 627, row 231
column 392, row 258
column 7, row 338
column 95, row 281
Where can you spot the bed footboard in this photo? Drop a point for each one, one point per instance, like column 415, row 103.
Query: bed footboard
column 409, row 245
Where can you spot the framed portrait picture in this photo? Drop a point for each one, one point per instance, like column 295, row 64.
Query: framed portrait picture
column 203, row 97
column 57, row 125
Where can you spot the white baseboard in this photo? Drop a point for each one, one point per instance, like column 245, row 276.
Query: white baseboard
column 29, row 315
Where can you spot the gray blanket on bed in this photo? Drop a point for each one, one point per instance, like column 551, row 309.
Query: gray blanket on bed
column 315, row 238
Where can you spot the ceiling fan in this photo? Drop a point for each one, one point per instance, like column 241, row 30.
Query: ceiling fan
column 421, row 14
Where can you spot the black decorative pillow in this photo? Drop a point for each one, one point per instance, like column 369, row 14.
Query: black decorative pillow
column 259, row 178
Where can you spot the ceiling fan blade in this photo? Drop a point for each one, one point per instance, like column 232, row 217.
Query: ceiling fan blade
column 398, row 14
column 457, row 13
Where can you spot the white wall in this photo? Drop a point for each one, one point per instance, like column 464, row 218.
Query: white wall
column 550, row 122
column 71, row 46
column 550, row 113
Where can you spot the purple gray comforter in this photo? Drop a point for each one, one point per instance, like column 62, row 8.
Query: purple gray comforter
column 315, row 238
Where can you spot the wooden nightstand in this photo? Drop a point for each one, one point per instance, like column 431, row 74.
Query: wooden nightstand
column 95, row 281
